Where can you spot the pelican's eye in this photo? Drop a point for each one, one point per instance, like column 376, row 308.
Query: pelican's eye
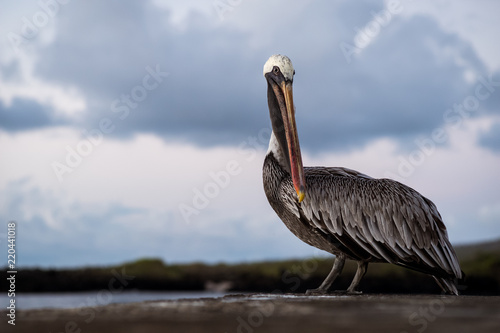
column 276, row 70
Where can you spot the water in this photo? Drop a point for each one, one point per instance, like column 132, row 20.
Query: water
column 25, row 301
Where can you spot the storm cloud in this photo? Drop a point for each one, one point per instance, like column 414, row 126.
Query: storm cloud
column 214, row 94
column 140, row 104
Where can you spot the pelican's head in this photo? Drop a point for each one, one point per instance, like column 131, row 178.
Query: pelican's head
column 279, row 72
column 283, row 63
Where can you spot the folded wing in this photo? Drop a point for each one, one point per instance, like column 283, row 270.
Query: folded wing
column 376, row 220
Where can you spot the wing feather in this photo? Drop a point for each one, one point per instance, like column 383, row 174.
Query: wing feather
column 382, row 218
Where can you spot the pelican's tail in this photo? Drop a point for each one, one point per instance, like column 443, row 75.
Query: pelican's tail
column 448, row 285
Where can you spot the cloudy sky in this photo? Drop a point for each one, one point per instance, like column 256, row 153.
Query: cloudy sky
column 138, row 129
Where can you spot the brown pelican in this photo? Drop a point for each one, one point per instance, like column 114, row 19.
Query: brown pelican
column 345, row 212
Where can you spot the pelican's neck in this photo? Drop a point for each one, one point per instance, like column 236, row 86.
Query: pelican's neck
column 279, row 155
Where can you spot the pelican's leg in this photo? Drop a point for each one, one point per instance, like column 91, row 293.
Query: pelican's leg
column 338, row 265
column 360, row 272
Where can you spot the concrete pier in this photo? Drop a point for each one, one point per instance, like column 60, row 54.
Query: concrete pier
column 274, row 313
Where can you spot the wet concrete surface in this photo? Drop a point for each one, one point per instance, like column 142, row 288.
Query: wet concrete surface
column 274, row 313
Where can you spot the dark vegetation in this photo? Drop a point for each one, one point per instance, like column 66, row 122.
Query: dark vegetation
column 480, row 262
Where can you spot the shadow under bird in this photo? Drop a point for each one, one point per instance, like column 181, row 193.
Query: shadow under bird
column 345, row 212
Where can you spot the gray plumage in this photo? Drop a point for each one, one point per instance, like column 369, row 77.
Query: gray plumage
column 345, row 212
column 354, row 216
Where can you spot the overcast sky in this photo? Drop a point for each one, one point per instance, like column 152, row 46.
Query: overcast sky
column 139, row 129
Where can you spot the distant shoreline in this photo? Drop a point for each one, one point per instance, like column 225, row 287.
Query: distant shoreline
column 480, row 262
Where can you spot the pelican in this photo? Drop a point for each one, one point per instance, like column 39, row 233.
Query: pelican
column 345, row 212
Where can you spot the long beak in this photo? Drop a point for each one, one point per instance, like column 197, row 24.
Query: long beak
column 288, row 114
